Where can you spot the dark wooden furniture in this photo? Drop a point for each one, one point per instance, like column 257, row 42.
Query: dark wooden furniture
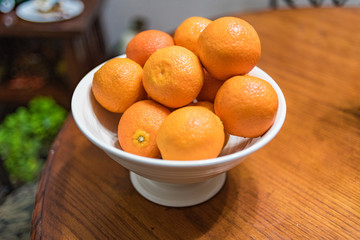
column 304, row 184
column 81, row 42
column 313, row 3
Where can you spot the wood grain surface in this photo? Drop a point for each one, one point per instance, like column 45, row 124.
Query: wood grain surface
column 305, row 184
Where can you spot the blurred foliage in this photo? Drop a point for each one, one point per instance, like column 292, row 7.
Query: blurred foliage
column 26, row 136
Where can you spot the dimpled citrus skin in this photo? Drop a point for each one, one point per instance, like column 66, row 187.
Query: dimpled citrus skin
column 118, row 84
column 187, row 33
column 210, row 87
column 229, row 46
column 173, row 76
column 138, row 128
column 191, row 133
column 246, row 105
column 146, row 43
column 210, row 106
column 205, row 104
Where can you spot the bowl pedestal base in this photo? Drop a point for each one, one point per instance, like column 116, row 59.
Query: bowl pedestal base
column 177, row 195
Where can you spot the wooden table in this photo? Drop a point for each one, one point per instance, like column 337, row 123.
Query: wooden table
column 305, row 184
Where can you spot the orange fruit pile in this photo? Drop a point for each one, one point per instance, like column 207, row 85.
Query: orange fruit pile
column 183, row 95
column 189, row 133
column 138, row 128
column 146, row 43
column 118, row 84
column 173, row 76
column 229, row 46
column 188, row 32
column 247, row 106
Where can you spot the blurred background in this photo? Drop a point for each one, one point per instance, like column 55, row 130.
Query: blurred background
column 45, row 50
column 118, row 16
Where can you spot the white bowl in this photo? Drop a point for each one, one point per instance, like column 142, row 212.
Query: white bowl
column 166, row 182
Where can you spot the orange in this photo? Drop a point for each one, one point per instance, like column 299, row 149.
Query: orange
column 146, row 43
column 246, row 105
column 210, row 87
column 191, row 133
column 118, row 84
column 173, row 76
column 187, row 33
column 229, row 46
column 206, row 104
column 138, row 128
column 210, row 106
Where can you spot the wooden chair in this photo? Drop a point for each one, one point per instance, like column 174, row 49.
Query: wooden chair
column 315, row 3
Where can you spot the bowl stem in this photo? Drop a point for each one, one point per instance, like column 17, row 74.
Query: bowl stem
column 177, row 195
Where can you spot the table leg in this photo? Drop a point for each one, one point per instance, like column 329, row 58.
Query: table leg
column 74, row 54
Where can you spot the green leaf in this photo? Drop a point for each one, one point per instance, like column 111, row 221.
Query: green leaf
column 26, row 134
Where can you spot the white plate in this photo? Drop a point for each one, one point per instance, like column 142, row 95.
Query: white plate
column 70, row 9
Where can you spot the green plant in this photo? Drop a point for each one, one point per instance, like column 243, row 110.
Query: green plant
column 26, row 136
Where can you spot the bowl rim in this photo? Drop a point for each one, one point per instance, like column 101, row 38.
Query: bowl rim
column 265, row 139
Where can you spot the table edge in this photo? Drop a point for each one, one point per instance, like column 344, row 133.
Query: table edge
column 36, row 221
